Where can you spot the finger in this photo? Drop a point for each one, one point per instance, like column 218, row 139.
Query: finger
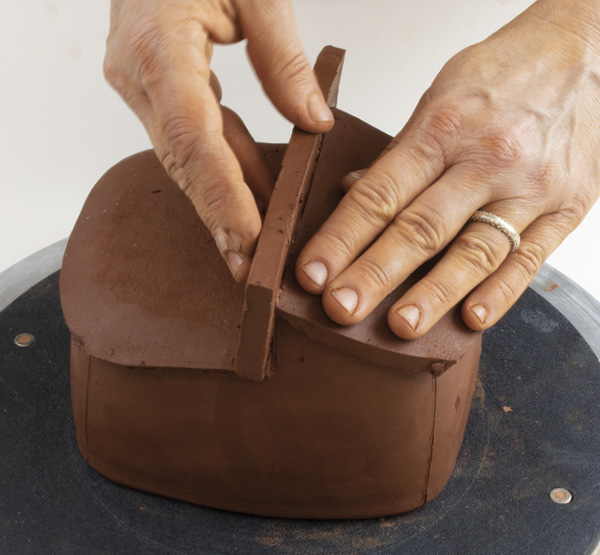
column 351, row 178
column 413, row 122
column 416, row 234
column 276, row 53
column 475, row 254
column 186, row 128
column 366, row 210
column 494, row 297
column 256, row 173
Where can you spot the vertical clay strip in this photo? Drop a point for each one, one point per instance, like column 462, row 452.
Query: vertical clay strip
column 264, row 281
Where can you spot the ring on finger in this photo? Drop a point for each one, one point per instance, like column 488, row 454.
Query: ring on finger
column 499, row 223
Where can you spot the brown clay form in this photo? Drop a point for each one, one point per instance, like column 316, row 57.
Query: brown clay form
column 188, row 385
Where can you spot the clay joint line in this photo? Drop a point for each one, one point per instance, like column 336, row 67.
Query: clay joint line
column 435, row 401
column 87, row 394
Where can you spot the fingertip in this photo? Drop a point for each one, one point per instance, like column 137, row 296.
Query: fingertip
column 476, row 315
column 481, row 315
column 309, row 112
column 236, row 248
column 320, row 114
column 312, row 275
column 239, row 266
column 341, row 304
column 406, row 321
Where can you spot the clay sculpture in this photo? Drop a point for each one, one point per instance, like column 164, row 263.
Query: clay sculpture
column 248, row 398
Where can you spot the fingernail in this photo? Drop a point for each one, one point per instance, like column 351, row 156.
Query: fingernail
column 316, row 271
column 236, row 241
column 317, row 109
column 411, row 314
column 350, row 179
column 347, row 298
column 234, row 261
column 354, row 176
column 227, row 240
column 480, row 311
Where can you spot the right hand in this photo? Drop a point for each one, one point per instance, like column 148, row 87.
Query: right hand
column 158, row 59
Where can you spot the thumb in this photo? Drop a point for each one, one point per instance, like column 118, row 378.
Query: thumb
column 277, row 56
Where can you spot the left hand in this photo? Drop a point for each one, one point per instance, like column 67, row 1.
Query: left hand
column 158, row 58
column 510, row 126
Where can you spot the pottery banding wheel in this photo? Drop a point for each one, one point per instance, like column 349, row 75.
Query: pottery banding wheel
column 496, row 501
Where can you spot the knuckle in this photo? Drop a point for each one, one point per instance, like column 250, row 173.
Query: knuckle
column 569, row 217
column 181, row 136
column 444, row 123
column 149, row 70
column 111, row 71
column 529, row 258
column 209, row 197
column 502, row 147
column 145, row 50
column 375, row 274
column 169, row 162
column 376, row 197
column 339, row 243
column 478, row 253
column 439, row 292
column 116, row 76
column 424, row 228
column 213, row 199
column 427, row 150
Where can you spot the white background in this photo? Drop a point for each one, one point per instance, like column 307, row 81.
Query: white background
column 62, row 126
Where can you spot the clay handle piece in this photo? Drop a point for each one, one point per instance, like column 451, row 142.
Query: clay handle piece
column 264, row 281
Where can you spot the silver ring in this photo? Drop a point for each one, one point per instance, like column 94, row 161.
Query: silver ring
column 496, row 221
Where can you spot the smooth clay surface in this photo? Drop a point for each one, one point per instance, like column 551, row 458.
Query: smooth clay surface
column 346, row 422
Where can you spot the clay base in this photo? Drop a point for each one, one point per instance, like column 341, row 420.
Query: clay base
column 326, row 437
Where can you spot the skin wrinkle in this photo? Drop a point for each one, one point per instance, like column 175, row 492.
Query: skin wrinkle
column 530, row 258
column 376, row 277
column 438, row 291
column 377, row 199
column 338, row 243
column 182, row 140
column 151, row 70
column 363, row 220
column 424, row 227
column 292, row 69
column 485, row 257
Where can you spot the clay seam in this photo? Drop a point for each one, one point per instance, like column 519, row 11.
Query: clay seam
column 430, row 464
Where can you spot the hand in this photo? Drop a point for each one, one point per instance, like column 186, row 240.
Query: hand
column 158, row 57
column 510, row 126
